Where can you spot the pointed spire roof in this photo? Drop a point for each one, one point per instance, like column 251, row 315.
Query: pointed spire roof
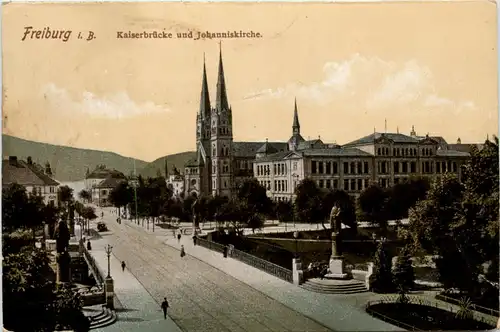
column 296, row 123
column 205, row 97
column 221, row 97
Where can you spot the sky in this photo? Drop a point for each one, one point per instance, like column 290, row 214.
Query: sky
column 351, row 67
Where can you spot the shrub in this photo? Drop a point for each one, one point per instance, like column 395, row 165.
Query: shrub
column 403, row 274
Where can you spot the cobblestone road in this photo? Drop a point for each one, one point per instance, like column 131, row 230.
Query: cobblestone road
column 202, row 298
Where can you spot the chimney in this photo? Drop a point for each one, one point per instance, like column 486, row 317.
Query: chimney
column 459, row 141
column 13, row 160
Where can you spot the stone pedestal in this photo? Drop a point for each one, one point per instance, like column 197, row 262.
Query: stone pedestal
column 109, row 290
column 63, row 267
column 297, row 273
column 337, row 268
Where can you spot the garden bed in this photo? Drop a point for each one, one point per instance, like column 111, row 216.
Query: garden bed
column 422, row 317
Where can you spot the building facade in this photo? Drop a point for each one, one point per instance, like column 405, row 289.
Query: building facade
column 36, row 179
column 221, row 164
column 175, row 181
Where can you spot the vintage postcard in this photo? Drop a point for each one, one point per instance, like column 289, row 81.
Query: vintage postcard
column 250, row 166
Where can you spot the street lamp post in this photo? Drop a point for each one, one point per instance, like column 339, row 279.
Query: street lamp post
column 108, row 248
column 296, row 235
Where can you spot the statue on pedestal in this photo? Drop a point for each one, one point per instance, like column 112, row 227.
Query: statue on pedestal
column 337, row 264
column 62, row 236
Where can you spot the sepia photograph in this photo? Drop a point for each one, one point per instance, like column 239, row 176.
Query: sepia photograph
column 196, row 167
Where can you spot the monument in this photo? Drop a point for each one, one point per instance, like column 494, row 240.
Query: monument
column 337, row 263
column 63, row 258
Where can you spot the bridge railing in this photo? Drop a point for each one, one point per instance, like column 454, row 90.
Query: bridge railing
column 92, row 265
column 251, row 260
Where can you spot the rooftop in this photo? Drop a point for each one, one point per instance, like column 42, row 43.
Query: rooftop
column 20, row 172
column 109, row 182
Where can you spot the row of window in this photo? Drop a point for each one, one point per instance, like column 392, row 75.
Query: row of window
column 328, row 167
column 405, row 152
column 222, row 131
column 279, row 169
column 42, row 190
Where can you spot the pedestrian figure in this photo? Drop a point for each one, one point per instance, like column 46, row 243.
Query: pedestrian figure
column 178, row 237
column 183, row 253
column 123, row 265
column 224, row 252
column 194, row 239
column 324, row 272
column 164, row 307
column 89, row 246
column 102, row 214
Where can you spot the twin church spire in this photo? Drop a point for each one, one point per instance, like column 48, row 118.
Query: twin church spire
column 221, row 100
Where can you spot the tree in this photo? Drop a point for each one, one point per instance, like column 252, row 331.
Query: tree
column 65, row 194
column 373, row 204
column 27, row 289
column 403, row 196
column 381, row 279
column 254, row 196
column 14, row 201
column 284, row 210
column 459, row 221
column 308, row 201
column 120, row 196
column 404, row 276
column 85, row 195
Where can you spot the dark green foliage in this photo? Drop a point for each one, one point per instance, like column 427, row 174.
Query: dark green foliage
column 254, row 196
column 31, row 302
column 459, row 222
column 85, row 195
column 121, row 195
column 283, row 211
column 308, row 207
column 373, row 204
column 404, row 276
column 382, row 279
column 64, row 194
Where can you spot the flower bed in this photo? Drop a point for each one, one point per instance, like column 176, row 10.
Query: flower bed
column 412, row 316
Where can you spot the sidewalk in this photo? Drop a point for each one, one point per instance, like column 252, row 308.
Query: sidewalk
column 139, row 312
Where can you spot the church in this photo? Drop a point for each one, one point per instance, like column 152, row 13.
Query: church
column 221, row 164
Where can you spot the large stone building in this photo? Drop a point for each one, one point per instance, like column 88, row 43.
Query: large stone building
column 383, row 158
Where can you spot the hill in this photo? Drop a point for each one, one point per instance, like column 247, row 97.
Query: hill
column 68, row 164
column 178, row 159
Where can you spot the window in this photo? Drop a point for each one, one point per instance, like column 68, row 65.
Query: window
column 321, row 184
column 328, row 167
column 274, row 168
column 52, row 190
column 353, row 184
column 360, row 165
column 396, row 167
column 438, row 167
column 335, row 184
column 313, row 166
column 413, row 167
column 366, row 183
column 365, row 166
column 320, row 168
column 454, row 167
column 353, row 168
column 193, row 182
column 294, row 165
column 328, row 184
column 360, row 184
column 404, row 165
column 335, row 168
column 378, row 151
column 346, row 168
column 346, row 185
column 275, row 185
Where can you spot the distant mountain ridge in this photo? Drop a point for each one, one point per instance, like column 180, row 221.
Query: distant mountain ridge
column 70, row 164
column 178, row 160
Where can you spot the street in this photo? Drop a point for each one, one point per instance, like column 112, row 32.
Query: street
column 201, row 297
